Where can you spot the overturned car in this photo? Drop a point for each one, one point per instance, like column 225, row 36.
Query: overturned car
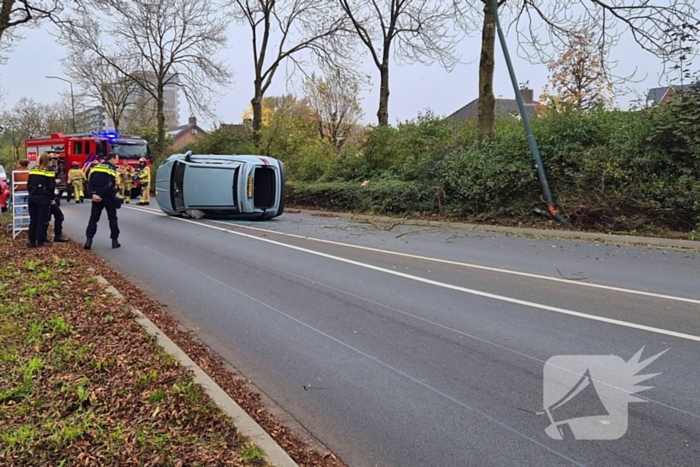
column 244, row 187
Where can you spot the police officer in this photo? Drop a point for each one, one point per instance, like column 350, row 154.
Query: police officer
column 41, row 185
column 58, row 217
column 145, row 178
column 102, row 187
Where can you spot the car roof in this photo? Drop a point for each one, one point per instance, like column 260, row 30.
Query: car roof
column 203, row 158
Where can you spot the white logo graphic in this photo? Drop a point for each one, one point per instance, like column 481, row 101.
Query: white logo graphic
column 586, row 396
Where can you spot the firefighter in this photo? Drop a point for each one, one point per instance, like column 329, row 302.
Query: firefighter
column 102, row 188
column 145, row 178
column 77, row 179
column 41, row 185
column 124, row 176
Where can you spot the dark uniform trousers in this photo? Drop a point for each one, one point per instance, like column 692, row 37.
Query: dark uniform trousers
column 58, row 220
column 39, row 215
column 109, row 205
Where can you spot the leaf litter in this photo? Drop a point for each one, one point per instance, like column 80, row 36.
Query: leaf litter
column 81, row 383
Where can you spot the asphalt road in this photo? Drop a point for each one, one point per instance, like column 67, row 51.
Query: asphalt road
column 409, row 346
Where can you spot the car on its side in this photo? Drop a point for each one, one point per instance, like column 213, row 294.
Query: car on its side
column 235, row 186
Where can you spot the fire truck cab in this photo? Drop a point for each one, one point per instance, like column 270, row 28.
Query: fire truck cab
column 86, row 149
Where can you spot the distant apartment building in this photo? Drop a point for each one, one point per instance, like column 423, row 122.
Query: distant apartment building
column 92, row 119
column 140, row 110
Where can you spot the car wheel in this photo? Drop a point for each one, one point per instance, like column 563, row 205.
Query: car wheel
column 283, row 190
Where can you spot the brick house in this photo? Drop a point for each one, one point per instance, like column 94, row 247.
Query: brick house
column 503, row 107
column 185, row 134
column 666, row 93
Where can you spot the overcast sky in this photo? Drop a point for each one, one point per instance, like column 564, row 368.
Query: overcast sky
column 414, row 88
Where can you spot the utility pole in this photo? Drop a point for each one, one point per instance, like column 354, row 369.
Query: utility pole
column 72, row 99
column 534, row 149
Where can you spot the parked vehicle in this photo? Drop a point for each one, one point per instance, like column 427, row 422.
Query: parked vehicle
column 236, row 186
column 4, row 189
column 85, row 149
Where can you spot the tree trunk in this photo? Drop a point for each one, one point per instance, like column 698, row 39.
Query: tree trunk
column 5, row 9
column 383, row 112
column 487, row 102
column 256, row 102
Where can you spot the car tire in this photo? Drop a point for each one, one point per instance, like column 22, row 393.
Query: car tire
column 283, row 190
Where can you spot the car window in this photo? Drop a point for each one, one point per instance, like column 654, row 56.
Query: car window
column 3, row 174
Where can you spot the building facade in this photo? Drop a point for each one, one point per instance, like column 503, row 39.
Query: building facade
column 140, row 110
column 92, row 119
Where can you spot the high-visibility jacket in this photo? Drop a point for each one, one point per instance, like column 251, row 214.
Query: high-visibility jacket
column 145, row 175
column 103, row 180
column 41, row 182
column 75, row 175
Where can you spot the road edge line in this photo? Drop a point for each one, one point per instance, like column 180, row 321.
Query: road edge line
column 504, row 229
column 247, row 426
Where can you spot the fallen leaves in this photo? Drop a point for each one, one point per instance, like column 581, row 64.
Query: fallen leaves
column 105, row 393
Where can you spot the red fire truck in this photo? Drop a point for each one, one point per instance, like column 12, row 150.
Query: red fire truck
column 86, row 149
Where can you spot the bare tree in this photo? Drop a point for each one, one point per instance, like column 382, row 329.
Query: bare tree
column 156, row 43
column 14, row 13
column 143, row 113
column 29, row 118
column 418, row 30
column 335, row 101
column 101, row 82
column 545, row 30
column 282, row 30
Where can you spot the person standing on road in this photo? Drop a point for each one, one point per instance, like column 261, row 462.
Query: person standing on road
column 41, row 185
column 145, row 178
column 102, row 188
column 125, row 174
column 76, row 178
column 58, row 217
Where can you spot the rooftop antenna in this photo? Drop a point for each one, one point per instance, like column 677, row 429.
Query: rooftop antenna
column 541, row 175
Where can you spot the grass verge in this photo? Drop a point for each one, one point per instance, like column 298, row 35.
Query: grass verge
column 82, row 384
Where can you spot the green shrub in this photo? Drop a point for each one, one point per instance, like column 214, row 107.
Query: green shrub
column 384, row 196
column 615, row 170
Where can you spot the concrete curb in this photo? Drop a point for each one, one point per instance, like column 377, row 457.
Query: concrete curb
column 248, row 427
column 593, row 236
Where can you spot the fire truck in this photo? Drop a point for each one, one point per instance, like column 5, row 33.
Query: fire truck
column 85, row 149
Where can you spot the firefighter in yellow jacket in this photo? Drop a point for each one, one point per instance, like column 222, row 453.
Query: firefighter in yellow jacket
column 145, row 178
column 124, row 181
column 76, row 178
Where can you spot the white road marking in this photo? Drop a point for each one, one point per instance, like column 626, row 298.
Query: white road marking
column 448, row 286
column 475, row 266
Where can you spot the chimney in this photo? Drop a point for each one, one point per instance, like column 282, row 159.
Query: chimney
column 193, row 120
column 528, row 95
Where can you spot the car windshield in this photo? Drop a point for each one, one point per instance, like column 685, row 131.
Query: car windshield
column 130, row 149
column 3, row 174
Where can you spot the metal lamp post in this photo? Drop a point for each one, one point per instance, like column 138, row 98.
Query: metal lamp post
column 72, row 99
column 534, row 149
